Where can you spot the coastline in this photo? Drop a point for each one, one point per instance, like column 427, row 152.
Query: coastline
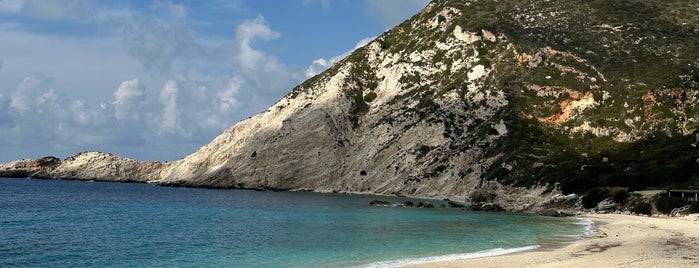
column 618, row 241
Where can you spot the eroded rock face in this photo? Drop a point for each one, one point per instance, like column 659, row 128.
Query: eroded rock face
column 106, row 167
column 35, row 168
column 84, row 166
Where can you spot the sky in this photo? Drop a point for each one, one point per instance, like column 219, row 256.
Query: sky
column 159, row 79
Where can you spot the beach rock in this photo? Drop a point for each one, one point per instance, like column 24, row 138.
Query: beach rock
column 408, row 204
column 482, row 195
column 454, row 204
column 377, row 202
column 557, row 213
column 489, row 207
column 424, row 205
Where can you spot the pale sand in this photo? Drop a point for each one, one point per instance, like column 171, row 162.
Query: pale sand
column 619, row 241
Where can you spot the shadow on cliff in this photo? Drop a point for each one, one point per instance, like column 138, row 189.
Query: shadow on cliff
column 534, row 153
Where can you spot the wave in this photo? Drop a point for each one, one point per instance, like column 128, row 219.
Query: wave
column 451, row 257
column 588, row 226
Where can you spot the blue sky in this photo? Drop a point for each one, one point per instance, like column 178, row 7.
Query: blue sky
column 159, row 79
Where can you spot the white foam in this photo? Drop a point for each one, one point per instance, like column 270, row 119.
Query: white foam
column 451, row 257
column 588, row 226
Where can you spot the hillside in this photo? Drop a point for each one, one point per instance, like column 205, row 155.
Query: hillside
column 515, row 96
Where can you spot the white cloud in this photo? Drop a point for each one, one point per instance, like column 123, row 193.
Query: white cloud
column 246, row 33
column 392, row 12
column 91, row 104
column 49, row 96
column 83, row 67
column 126, row 98
column 226, row 99
column 170, row 113
column 321, row 64
column 23, row 98
column 80, row 113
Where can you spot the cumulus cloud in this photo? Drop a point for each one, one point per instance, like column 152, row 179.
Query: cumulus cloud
column 392, row 12
column 248, row 32
column 217, row 81
column 321, row 64
column 80, row 112
column 226, row 98
column 25, row 96
column 170, row 112
column 127, row 98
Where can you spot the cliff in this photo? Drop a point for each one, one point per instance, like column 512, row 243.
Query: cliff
column 508, row 98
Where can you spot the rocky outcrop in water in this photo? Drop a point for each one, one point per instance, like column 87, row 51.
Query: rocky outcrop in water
column 494, row 101
column 84, row 166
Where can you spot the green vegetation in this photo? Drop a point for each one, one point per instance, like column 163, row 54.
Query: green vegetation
column 637, row 59
column 369, row 97
column 666, row 204
column 595, row 195
column 642, row 207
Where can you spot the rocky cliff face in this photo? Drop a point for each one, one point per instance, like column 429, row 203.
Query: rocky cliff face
column 466, row 95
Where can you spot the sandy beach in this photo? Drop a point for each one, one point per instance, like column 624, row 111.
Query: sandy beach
column 619, row 241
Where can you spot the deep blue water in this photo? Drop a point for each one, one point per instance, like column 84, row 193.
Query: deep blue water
column 53, row 223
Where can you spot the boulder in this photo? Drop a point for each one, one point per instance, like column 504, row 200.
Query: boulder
column 454, row 204
column 482, row 196
column 380, row 203
column 424, row 205
column 490, row 207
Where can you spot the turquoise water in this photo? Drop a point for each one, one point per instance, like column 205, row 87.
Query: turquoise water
column 52, row 223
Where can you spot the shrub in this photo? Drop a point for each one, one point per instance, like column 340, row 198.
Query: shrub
column 642, row 207
column 619, row 195
column 665, row 204
column 370, row 96
column 694, row 207
column 594, row 196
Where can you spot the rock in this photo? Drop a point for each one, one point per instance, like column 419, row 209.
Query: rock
column 424, row 205
column 380, row 203
column 34, row 168
column 84, row 166
column 408, row 204
column 490, row 207
column 482, row 196
column 550, row 213
column 454, row 204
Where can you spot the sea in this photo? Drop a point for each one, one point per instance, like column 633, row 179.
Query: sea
column 63, row 223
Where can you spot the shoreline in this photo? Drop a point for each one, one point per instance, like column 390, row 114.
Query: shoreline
column 616, row 241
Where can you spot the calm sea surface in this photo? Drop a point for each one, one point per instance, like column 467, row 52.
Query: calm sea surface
column 53, row 223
